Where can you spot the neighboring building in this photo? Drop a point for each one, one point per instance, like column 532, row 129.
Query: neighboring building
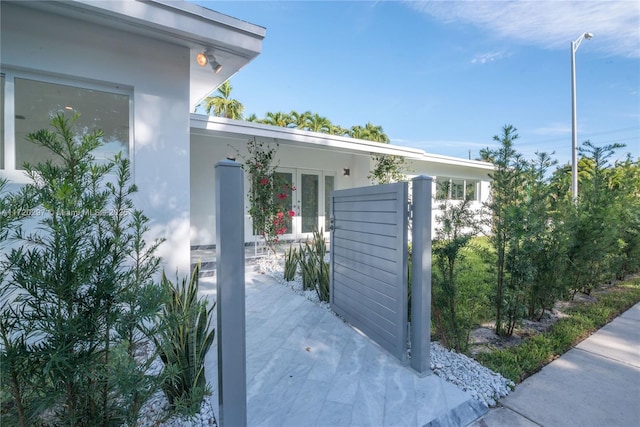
column 129, row 67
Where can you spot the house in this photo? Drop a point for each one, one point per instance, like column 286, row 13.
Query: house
column 130, row 68
column 315, row 164
column 137, row 69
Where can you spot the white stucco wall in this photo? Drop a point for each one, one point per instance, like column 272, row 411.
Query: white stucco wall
column 158, row 74
column 206, row 151
column 209, row 146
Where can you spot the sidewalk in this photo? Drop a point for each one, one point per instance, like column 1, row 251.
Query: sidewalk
column 597, row 383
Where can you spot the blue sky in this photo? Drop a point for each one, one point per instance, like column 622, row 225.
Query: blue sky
column 446, row 76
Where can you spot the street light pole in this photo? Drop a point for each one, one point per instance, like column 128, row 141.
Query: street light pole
column 574, row 120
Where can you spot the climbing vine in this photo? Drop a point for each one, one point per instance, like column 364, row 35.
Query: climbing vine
column 268, row 194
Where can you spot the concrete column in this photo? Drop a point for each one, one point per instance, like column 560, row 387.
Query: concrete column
column 421, row 275
column 230, row 282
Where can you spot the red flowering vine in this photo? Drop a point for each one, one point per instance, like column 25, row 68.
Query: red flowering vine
column 268, row 194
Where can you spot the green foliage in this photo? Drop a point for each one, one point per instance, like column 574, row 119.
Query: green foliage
column 529, row 235
column 604, row 225
column 315, row 271
column 507, row 235
column 77, row 288
column 388, row 169
column 183, row 342
column 268, row 194
column 223, row 105
column 314, row 122
column 527, row 358
column 454, row 309
column 291, row 262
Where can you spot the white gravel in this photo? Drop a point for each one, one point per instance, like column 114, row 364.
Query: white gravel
column 155, row 409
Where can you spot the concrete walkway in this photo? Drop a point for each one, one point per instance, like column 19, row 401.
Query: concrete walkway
column 306, row 367
column 597, row 383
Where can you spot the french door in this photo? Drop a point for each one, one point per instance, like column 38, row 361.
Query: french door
column 310, row 201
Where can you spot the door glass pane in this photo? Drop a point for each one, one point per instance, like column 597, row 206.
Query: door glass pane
column 328, row 188
column 309, row 202
column 37, row 102
column 1, row 121
column 284, row 199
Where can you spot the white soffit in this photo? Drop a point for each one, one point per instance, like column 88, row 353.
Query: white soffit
column 235, row 42
column 242, row 130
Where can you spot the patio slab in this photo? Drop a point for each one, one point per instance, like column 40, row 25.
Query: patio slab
column 307, row 367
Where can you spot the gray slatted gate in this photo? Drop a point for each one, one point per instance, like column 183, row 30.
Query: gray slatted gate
column 369, row 262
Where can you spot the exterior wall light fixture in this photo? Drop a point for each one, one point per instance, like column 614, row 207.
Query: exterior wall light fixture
column 346, row 171
column 206, row 57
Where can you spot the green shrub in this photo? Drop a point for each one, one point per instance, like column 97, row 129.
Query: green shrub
column 183, row 342
column 315, row 271
column 527, row 358
column 77, row 288
column 291, row 261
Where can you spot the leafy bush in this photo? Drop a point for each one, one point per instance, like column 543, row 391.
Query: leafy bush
column 183, row 342
column 291, row 261
column 315, row 271
column 77, row 289
column 453, row 313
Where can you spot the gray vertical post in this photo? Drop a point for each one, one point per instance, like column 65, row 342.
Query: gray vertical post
column 232, row 371
column 421, row 275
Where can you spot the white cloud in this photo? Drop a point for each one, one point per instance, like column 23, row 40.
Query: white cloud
column 549, row 24
column 486, row 57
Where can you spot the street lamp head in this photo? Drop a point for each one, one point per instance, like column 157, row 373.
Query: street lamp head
column 588, row 36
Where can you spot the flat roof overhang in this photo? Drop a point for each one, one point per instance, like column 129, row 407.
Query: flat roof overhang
column 239, row 129
column 235, row 42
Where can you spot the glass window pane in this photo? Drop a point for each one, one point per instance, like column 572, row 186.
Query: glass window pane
column 471, row 190
column 442, row 188
column 457, row 189
column 309, row 198
column 329, row 186
column 36, row 102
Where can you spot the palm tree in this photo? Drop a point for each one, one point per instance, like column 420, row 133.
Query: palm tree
column 299, row 120
column 376, row 133
column 369, row 132
column 338, row 130
column 357, row 132
column 253, row 118
column 222, row 105
column 317, row 123
column 277, row 119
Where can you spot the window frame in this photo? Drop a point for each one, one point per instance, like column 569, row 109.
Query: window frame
column 463, row 183
column 8, row 167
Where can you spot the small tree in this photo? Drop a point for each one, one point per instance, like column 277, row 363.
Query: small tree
column 79, row 288
column 388, row 169
column 453, row 315
column 506, row 191
column 594, row 227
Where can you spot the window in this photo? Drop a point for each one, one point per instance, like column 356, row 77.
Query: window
column 456, row 189
column 32, row 102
